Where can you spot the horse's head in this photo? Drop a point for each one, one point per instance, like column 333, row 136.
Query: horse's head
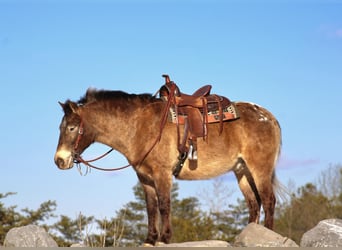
column 73, row 138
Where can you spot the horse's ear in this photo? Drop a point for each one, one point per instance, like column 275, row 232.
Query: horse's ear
column 69, row 107
column 73, row 106
column 62, row 104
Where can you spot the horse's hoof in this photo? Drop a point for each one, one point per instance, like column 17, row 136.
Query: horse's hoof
column 147, row 245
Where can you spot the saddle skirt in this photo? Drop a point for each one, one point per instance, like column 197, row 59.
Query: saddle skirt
column 229, row 112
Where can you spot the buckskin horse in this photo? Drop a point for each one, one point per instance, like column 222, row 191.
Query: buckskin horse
column 132, row 124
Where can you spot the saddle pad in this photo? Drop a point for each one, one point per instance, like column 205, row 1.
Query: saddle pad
column 229, row 113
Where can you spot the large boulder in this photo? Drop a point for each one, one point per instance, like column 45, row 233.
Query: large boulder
column 327, row 233
column 255, row 235
column 29, row 236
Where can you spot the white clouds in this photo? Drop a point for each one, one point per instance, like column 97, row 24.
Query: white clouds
column 338, row 33
column 330, row 31
column 287, row 162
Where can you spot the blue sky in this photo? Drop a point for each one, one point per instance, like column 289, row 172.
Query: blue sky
column 285, row 56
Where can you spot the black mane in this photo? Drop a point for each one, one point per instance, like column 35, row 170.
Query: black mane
column 102, row 95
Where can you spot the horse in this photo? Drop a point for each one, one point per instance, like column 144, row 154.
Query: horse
column 130, row 123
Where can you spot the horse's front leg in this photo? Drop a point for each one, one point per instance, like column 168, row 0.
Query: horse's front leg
column 163, row 186
column 152, row 211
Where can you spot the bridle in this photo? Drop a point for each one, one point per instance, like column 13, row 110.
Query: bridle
column 78, row 158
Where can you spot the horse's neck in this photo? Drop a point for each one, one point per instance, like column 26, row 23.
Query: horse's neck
column 124, row 130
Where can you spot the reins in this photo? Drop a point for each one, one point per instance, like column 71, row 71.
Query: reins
column 78, row 158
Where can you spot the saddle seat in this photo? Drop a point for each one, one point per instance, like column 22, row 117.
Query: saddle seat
column 194, row 100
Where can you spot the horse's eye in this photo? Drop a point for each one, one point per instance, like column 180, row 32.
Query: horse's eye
column 71, row 128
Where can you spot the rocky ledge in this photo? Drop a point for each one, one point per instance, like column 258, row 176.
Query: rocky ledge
column 327, row 233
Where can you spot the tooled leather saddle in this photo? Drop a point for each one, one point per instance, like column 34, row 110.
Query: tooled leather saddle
column 195, row 112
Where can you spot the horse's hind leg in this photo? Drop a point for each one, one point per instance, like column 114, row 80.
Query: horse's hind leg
column 248, row 189
column 265, row 188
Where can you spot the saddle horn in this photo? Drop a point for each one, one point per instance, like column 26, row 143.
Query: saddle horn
column 167, row 78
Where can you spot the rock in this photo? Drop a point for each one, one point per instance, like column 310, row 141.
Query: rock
column 29, row 236
column 327, row 233
column 78, row 245
column 204, row 243
column 255, row 235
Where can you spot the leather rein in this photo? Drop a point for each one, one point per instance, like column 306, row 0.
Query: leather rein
column 78, row 158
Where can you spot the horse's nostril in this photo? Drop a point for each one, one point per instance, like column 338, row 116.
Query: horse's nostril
column 59, row 162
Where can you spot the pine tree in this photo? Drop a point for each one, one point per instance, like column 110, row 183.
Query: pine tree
column 311, row 204
column 68, row 231
column 189, row 222
column 10, row 218
column 129, row 226
column 229, row 223
column 44, row 212
column 307, row 207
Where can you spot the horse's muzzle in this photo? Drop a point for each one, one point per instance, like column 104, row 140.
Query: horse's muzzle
column 63, row 160
column 61, row 164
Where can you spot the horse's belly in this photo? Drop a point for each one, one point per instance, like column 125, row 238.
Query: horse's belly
column 201, row 171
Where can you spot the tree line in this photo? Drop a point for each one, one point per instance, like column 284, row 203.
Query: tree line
column 302, row 210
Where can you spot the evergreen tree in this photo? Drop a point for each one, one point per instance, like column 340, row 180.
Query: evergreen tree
column 69, row 231
column 189, row 222
column 229, row 223
column 44, row 212
column 239, row 215
column 330, row 184
column 228, row 219
column 10, row 218
column 129, row 226
column 309, row 204
column 307, row 207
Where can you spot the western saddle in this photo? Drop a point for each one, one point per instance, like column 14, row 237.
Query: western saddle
column 194, row 112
